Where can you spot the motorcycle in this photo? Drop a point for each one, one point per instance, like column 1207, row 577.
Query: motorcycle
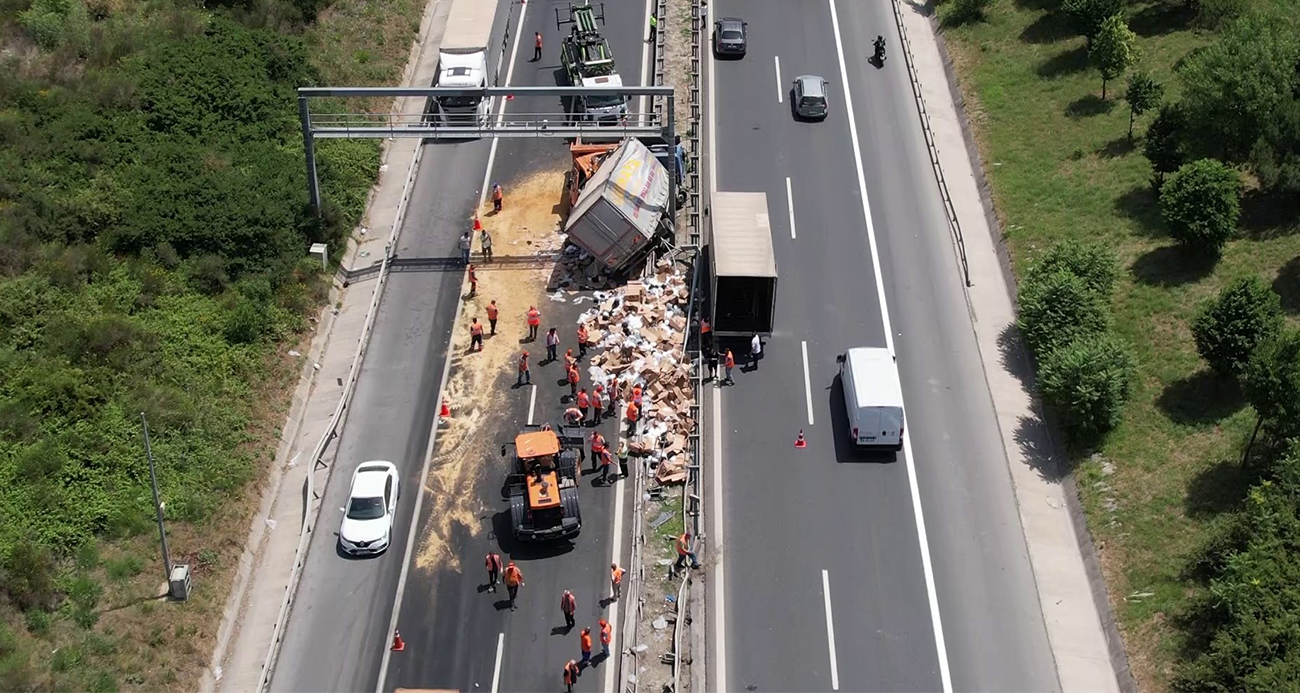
column 879, row 57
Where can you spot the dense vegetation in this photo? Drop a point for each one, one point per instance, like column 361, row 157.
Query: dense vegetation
column 153, row 238
column 1180, row 395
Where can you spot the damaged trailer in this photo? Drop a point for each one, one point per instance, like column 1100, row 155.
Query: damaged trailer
column 621, row 210
column 743, row 264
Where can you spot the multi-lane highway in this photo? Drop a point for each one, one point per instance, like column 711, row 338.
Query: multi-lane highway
column 841, row 570
column 457, row 636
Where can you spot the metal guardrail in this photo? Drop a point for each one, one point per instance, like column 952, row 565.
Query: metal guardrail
column 548, row 124
column 929, row 141
column 300, row 555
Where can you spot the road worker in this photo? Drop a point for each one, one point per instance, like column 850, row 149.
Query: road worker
column 552, row 343
column 571, row 672
column 497, row 197
column 586, row 646
column 534, row 322
column 537, row 46
column 606, row 461
column 584, row 403
column 473, row 281
column 622, row 459
column 525, row 376
column 582, row 340
column 616, row 580
column 606, row 636
column 684, row 552
column 609, row 402
column 636, row 395
column 514, row 580
column 597, row 444
column 573, row 416
column 485, row 240
column 492, row 312
column 493, row 565
column 568, row 605
column 597, row 403
column 573, row 381
column 633, row 413
column 476, row 335
column 728, row 363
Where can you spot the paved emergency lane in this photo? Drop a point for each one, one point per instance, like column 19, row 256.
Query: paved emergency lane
column 458, row 636
column 791, row 513
column 338, row 627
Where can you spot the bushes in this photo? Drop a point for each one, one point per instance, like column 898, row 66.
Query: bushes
column 1085, row 374
column 1229, row 328
column 1201, row 204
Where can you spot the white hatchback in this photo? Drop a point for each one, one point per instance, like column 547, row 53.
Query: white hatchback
column 367, row 526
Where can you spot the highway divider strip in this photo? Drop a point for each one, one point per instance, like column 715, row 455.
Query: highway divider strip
column 949, row 210
column 354, row 372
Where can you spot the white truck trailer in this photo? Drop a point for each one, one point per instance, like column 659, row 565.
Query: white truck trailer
column 463, row 61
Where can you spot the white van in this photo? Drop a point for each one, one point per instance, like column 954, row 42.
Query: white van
column 873, row 397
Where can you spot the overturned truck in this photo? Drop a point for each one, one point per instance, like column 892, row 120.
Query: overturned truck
column 621, row 211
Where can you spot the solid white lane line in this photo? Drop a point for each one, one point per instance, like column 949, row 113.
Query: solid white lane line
column 940, row 647
column 442, row 387
column 496, row 670
column 532, row 403
column 789, row 203
column 613, row 606
column 717, row 545
column 780, row 96
column 830, row 631
column 807, row 384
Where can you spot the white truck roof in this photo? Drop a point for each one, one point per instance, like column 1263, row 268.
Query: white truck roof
column 875, row 377
column 469, row 26
column 461, row 69
column 742, row 235
column 610, row 81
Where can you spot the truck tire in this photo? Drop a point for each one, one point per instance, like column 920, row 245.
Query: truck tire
column 568, row 464
column 569, row 501
column 517, row 514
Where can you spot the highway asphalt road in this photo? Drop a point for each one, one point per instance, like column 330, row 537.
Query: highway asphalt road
column 338, row 630
column 800, row 521
column 466, row 639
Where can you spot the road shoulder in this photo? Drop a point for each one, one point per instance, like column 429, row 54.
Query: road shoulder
column 1081, row 630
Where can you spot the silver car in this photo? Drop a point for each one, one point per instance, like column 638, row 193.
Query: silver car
column 808, row 97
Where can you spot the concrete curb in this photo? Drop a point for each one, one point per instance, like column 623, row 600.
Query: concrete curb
column 1087, row 549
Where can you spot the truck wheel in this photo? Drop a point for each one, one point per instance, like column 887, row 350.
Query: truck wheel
column 568, row 464
column 569, row 501
column 517, row 513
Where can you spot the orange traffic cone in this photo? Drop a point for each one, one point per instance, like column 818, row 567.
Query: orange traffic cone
column 398, row 644
column 800, row 442
column 445, row 411
column 478, row 225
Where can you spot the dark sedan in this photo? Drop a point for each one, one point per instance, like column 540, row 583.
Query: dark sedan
column 729, row 36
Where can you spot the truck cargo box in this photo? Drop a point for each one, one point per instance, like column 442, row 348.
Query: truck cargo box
column 743, row 263
column 620, row 209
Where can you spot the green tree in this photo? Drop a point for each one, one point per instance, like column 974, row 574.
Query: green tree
column 1228, row 328
column 1201, row 204
column 1236, row 86
column 1057, row 308
column 1113, row 49
column 1143, row 94
column 1272, row 385
column 1164, row 144
column 1087, row 382
column 969, row 10
column 1087, row 16
column 1094, row 263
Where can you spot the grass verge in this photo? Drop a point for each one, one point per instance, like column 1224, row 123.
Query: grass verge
column 1060, row 166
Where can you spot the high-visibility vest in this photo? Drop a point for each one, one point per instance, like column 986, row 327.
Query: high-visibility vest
column 582, row 334
column 606, row 633
column 632, row 411
column 586, row 641
column 538, row 41
column 583, row 400
column 605, row 458
column 496, row 192
column 523, row 363
column 731, row 360
column 476, row 329
column 573, row 374
column 493, row 562
column 513, row 577
column 705, row 327
column 597, row 442
column 636, row 395
column 573, row 414
column 534, row 317
column 616, row 575
column 492, row 311
column 473, row 277
column 683, row 546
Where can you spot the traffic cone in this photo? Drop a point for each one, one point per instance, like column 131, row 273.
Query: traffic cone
column 398, row 644
column 478, row 225
column 800, row 442
column 445, row 411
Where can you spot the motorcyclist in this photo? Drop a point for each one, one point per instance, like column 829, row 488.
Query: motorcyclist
column 880, row 46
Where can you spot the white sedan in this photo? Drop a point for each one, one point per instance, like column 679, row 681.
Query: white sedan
column 368, row 518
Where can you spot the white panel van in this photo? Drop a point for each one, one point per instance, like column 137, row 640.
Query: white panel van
column 873, row 397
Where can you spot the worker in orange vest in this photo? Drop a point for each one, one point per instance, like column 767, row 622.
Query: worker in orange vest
column 684, row 552
column 569, row 359
column 476, row 335
column 582, row 340
column 597, row 445
column 633, row 413
column 568, row 605
column 636, row 395
column 584, row 403
column 573, row 381
column 492, row 312
column 586, row 647
column 606, row 461
column 514, row 580
column 534, row 322
column 493, row 564
column 537, row 46
column 571, row 672
column 729, row 363
column 616, row 580
column 597, row 402
column 473, row 281
column 524, row 375
column 606, row 636
column 573, row 416
column 497, row 197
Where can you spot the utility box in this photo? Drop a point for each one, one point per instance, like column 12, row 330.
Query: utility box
column 179, row 582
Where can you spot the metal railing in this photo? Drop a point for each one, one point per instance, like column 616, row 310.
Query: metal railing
column 949, row 210
column 544, row 124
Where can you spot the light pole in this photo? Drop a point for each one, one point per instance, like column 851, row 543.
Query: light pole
column 157, row 506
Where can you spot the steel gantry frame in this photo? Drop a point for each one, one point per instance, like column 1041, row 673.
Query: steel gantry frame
column 557, row 124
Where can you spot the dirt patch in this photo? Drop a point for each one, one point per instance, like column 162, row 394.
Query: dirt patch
column 528, row 225
column 677, row 59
